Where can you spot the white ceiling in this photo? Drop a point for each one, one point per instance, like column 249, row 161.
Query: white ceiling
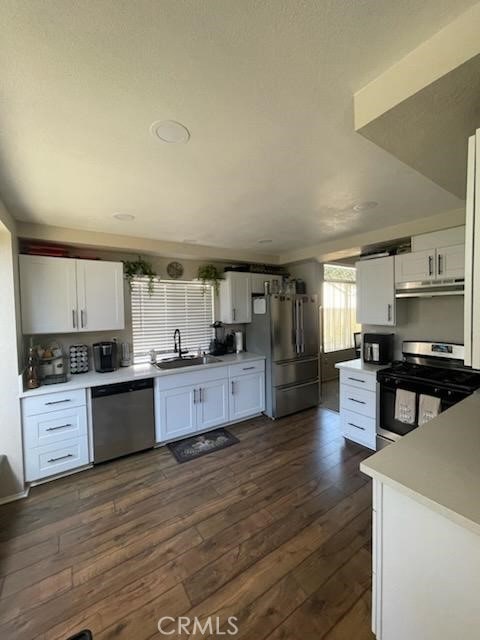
column 265, row 89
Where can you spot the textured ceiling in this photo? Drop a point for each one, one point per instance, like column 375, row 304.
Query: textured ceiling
column 264, row 87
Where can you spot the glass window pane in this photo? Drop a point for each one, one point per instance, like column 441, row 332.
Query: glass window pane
column 339, row 315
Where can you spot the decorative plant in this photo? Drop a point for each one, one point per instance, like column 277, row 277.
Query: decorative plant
column 136, row 268
column 208, row 273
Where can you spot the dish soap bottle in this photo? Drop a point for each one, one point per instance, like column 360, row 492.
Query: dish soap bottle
column 31, row 372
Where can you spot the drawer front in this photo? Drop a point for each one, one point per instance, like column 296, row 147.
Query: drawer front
column 358, row 400
column 358, row 428
column 289, row 400
column 53, row 401
column 245, row 368
column 54, row 426
column 358, row 379
column 294, row 372
column 56, row 458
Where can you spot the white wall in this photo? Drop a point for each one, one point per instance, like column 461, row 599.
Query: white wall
column 311, row 271
column 437, row 319
column 11, row 475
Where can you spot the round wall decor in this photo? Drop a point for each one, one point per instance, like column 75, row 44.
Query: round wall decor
column 175, row 270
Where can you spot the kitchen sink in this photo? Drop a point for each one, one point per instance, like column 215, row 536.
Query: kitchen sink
column 186, row 361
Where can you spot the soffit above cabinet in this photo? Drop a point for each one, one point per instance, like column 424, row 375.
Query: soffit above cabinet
column 423, row 109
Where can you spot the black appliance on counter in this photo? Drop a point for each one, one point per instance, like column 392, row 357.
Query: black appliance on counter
column 105, row 357
column 218, row 346
column 378, row 348
column 430, row 368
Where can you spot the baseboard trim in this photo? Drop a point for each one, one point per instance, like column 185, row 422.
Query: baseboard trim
column 16, row 496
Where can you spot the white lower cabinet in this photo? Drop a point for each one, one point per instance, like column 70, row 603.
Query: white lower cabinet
column 56, row 458
column 425, row 570
column 358, row 405
column 191, row 408
column 55, row 434
column 176, row 412
column 247, row 395
column 188, row 403
column 212, row 404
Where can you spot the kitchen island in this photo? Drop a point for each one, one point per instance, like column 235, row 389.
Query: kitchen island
column 426, row 530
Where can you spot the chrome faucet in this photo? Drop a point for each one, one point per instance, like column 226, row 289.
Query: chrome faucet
column 177, row 342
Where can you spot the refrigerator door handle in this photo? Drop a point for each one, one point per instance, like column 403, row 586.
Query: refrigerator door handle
column 294, row 325
column 298, row 327
column 302, row 326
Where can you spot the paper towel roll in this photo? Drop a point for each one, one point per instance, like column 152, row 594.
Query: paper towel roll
column 238, row 341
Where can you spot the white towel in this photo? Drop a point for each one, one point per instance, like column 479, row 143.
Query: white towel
column 429, row 407
column 405, row 406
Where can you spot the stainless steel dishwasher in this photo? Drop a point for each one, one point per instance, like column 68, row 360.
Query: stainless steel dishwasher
column 123, row 419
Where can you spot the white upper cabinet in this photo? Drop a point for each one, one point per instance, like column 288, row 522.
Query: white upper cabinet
column 435, row 256
column 451, row 262
column 64, row 295
column 415, row 267
column 376, row 291
column 236, row 298
column 100, row 295
column 48, row 294
column 439, row 239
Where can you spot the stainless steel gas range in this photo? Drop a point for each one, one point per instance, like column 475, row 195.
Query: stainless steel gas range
column 433, row 369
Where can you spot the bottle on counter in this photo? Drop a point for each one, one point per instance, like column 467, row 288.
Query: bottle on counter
column 32, row 378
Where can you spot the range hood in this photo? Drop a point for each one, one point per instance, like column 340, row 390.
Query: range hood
column 429, row 289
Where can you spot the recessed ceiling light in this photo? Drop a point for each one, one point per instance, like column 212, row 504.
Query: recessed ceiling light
column 170, row 131
column 365, row 206
column 123, row 216
column 266, row 241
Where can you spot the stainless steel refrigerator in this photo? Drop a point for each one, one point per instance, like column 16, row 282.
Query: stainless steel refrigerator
column 285, row 329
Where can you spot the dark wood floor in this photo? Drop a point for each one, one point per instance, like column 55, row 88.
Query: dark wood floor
column 274, row 531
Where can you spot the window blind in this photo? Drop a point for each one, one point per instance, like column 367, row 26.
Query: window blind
column 187, row 306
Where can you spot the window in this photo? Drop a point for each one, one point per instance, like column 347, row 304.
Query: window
column 339, row 307
column 187, row 306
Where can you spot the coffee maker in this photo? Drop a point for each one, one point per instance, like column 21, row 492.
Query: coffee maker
column 378, row 348
column 105, row 356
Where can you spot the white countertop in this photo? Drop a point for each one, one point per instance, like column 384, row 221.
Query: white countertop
column 359, row 365
column 438, row 464
column 135, row 372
